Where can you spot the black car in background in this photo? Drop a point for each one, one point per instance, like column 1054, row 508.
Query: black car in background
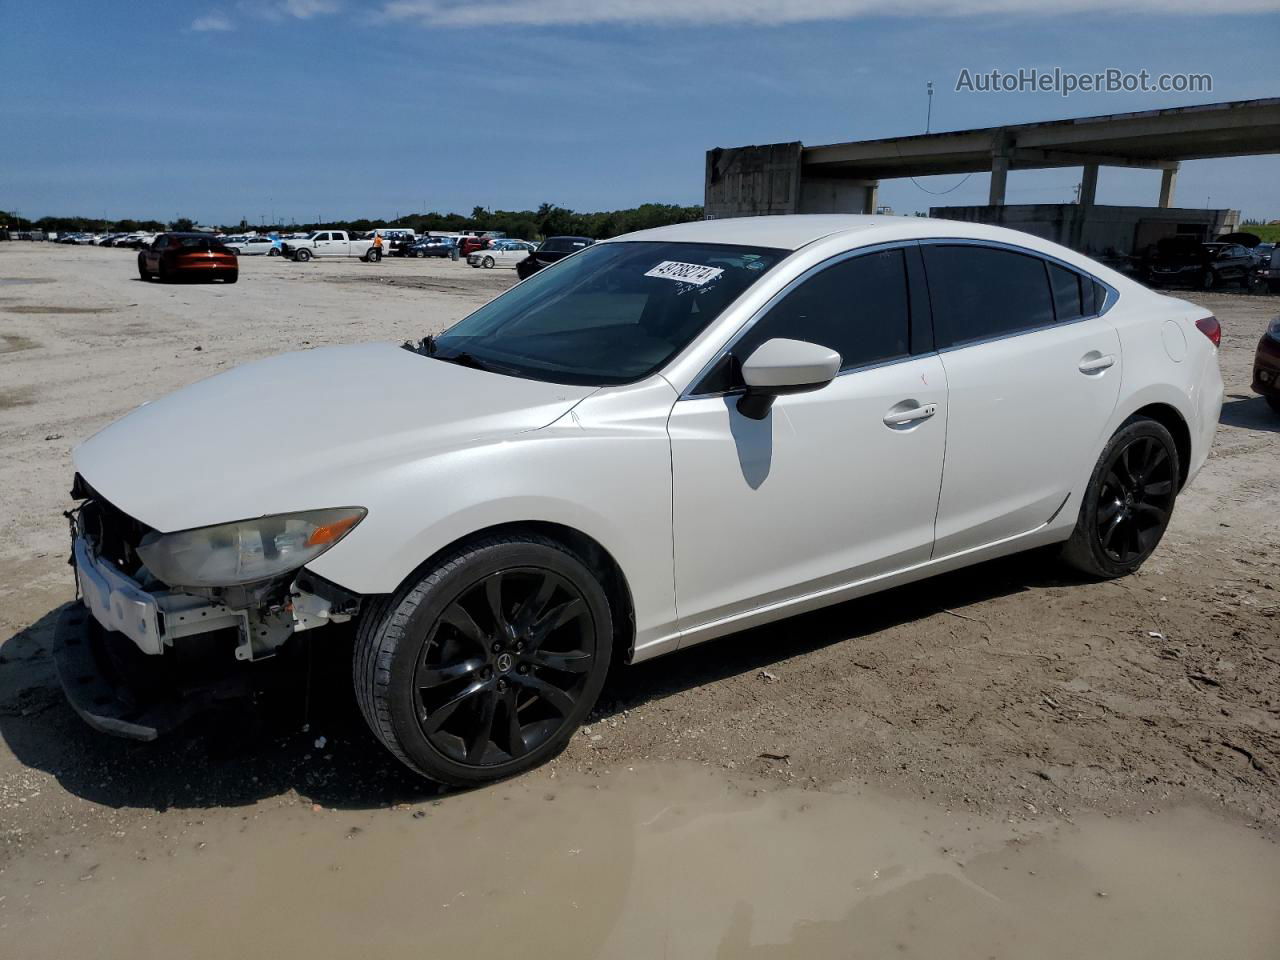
column 429, row 247
column 552, row 249
column 1186, row 261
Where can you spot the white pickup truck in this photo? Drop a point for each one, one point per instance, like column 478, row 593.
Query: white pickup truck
column 327, row 243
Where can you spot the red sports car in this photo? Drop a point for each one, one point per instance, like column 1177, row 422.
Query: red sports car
column 174, row 255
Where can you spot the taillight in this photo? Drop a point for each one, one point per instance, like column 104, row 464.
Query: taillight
column 1210, row 327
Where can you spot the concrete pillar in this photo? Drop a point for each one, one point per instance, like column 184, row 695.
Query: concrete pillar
column 999, row 175
column 1089, row 185
column 1001, row 152
column 873, row 196
column 1168, row 180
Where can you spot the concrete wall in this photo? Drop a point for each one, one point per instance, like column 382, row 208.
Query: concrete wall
column 1099, row 231
column 753, row 181
column 762, row 180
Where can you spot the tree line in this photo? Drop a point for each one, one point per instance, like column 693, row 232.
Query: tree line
column 547, row 220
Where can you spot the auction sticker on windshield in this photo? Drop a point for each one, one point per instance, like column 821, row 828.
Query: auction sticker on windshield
column 694, row 273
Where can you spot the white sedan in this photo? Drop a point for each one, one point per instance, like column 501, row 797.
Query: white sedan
column 668, row 437
column 501, row 253
column 251, row 246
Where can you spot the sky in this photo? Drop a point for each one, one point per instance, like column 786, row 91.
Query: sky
column 315, row 110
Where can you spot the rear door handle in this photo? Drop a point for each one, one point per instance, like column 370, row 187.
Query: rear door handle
column 1094, row 362
column 896, row 417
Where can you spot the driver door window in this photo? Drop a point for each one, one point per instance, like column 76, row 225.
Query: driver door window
column 860, row 308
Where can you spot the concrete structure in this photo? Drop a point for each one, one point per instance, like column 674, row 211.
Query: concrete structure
column 844, row 177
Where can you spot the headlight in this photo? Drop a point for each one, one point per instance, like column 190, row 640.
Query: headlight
column 1273, row 328
column 243, row 552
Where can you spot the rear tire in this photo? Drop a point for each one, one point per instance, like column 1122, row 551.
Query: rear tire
column 485, row 666
column 232, row 277
column 1208, row 280
column 162, row 272
column 273, row 252
column 1128, row 502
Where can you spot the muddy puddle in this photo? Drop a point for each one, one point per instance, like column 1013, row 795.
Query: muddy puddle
column 648, row 862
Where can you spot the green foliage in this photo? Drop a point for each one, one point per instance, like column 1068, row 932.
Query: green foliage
column 547, row 220
column 1269, row 232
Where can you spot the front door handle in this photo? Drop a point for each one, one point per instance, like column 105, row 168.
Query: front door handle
column 1094, row 362
column 896, row 417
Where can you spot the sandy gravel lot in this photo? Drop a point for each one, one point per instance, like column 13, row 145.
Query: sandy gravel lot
column 1010, row 693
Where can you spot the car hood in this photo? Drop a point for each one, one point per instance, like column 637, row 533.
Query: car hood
column 303, row 431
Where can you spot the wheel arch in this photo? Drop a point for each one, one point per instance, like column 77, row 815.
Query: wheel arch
column 1172, row 420
column 589, row 550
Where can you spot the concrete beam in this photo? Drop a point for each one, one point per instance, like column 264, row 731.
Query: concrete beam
column 873, row 197
column 1089, row 185
column 1035, row 158
column 1168, row 181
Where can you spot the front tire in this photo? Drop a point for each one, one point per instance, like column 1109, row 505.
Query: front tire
column 143, row 272
column 485, row 666
column 1273, row 401
column 1208, row 280
column 1128, row 502
column 487, row 263
column 303, row 255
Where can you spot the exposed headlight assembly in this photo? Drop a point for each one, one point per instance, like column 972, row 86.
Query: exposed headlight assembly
column 1273, row 329
column 247, row 551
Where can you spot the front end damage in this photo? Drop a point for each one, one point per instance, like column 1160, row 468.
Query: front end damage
column 137, row 656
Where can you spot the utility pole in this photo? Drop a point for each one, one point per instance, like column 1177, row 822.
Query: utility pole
column 928, row 119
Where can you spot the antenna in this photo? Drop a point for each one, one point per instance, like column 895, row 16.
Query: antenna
column 928, row 120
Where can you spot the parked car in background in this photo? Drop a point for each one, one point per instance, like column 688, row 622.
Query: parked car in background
column 469, row 244
column 173, row 256
column 394, row 240
column 1266, row 269
column 1184, row 261
column 1266, row 365
column 769, row 415
column 548, row 252
column 501, row 253
column 430, row 247
column 252, row 246
column 327, row 243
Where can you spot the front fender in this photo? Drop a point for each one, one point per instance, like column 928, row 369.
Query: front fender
column 609, row 479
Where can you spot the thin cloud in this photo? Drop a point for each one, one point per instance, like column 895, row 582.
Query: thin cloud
column 212, row 22
column 474, row 13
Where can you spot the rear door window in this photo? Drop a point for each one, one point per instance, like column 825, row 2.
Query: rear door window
column 979, row 293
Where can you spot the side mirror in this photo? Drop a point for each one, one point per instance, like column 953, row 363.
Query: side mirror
column 781, row 366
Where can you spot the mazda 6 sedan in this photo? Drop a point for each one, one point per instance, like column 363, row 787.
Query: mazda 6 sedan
column 659, row 440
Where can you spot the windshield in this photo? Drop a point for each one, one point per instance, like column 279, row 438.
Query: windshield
column 613, row 313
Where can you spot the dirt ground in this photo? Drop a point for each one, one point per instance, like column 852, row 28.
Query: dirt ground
column 1011, row 694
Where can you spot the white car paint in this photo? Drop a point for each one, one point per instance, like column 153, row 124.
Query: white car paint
column 505, row 253
column 716, row 522
column 250, row 246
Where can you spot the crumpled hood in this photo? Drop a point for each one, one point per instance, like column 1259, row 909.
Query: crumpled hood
column 303, row 431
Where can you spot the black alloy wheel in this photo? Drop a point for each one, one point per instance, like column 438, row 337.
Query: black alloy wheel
column 1135, row 500
column 504, row 666
column 1128, row 502
column 485, row 666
